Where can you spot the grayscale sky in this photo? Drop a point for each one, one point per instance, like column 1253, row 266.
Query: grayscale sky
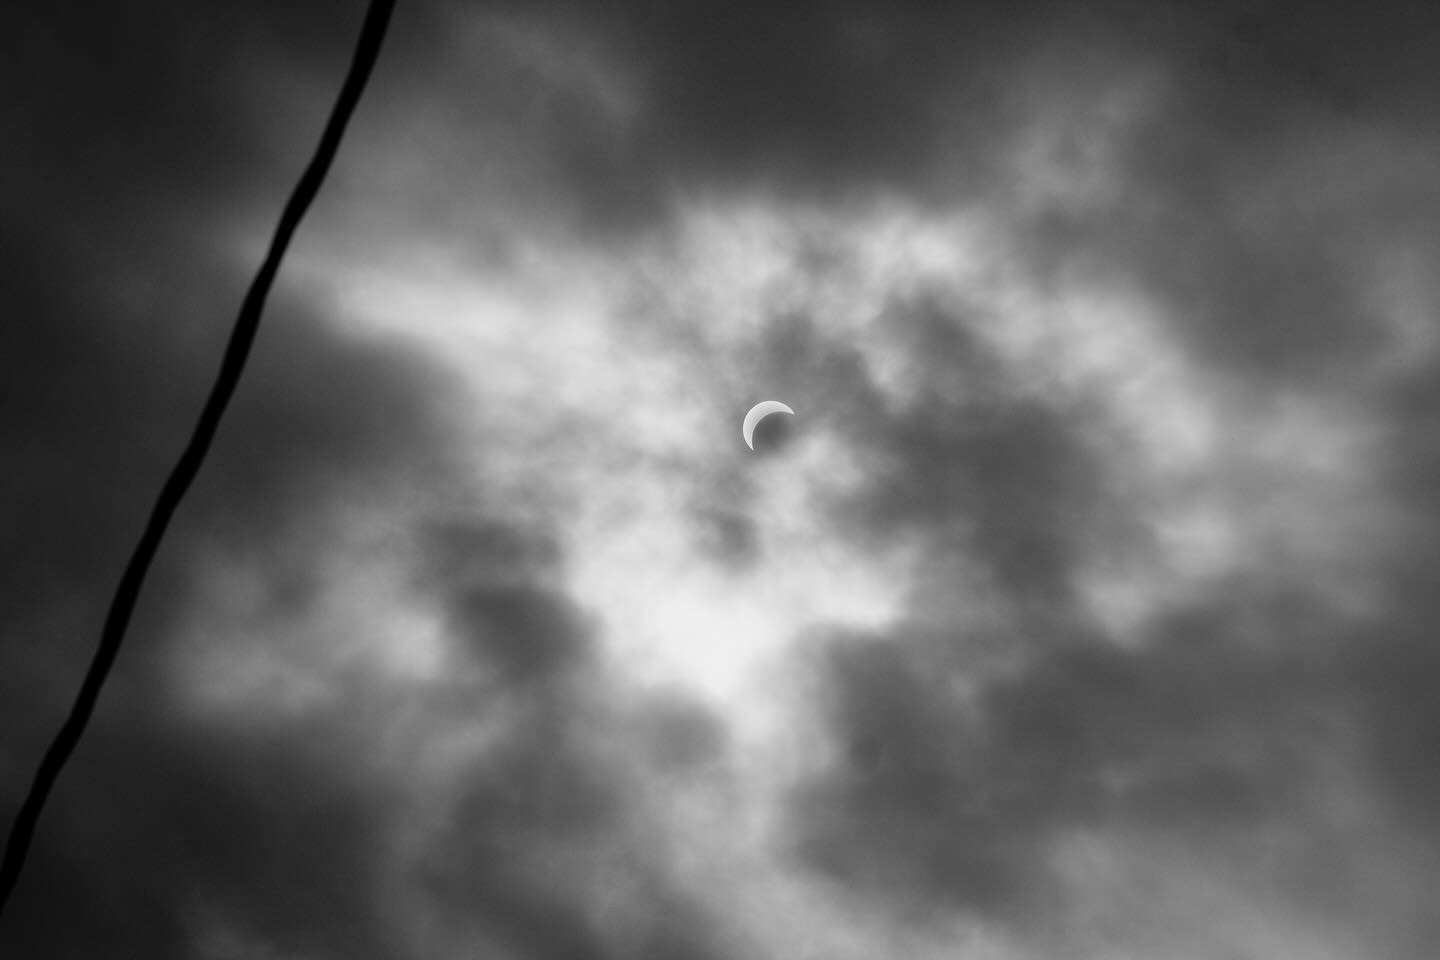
column 1087, row 609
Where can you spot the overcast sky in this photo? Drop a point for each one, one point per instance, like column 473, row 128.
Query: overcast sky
column 1086, row 609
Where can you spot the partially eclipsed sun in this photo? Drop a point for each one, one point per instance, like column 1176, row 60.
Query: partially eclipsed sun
column 757, row 413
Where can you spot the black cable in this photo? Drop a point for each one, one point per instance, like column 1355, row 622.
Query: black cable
column 242, row 337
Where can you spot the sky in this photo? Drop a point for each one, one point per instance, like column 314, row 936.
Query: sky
column 1085, row 609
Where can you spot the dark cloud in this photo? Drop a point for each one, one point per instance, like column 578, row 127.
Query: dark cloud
column 968, row 752
column 492, row 585
column 146, row 795
column 727, row 535
column 679, row 735
column 105, row 388
column 813, row 101
column 1262, row 274
column 984, row 473
column 953, row 788
column 141, row 146
column 163, row 836
column 1285, row 152
column 516, row 864
column 141, row 121
column 1395, row 677
column 828, row 101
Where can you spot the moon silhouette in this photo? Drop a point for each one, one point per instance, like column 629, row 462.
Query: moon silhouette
column 757, row 413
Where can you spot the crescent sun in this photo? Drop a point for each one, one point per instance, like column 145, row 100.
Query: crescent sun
column 757, row 413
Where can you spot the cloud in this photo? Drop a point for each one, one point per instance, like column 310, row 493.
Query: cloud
column 148, row 795
column 1083, row 612
column 954, row 789
column 164, row 836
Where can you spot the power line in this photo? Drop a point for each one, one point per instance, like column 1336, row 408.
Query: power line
column 242, row 337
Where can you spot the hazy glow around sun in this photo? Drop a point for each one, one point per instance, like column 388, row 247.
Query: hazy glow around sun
column 607, row 385
column 621, row 431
